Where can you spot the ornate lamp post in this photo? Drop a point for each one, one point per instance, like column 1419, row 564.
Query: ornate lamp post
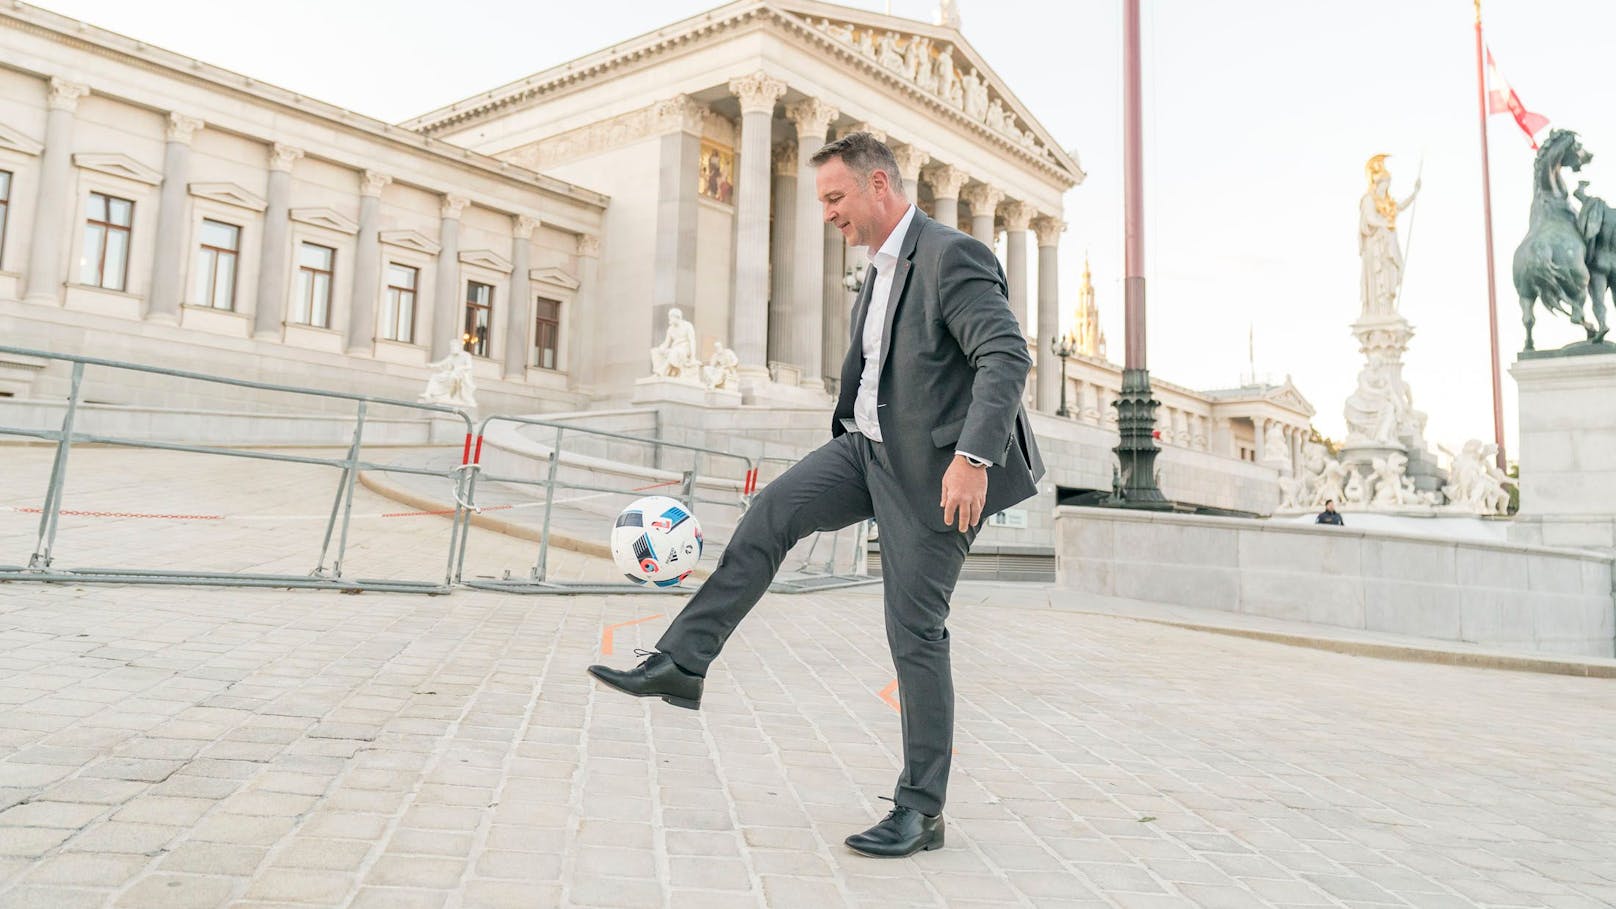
column 1136, row 405
column 1063, row 346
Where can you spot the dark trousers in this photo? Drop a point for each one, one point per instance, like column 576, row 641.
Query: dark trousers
column 845, row 481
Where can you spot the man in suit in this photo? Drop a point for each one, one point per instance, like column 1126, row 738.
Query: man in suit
column 928, row 437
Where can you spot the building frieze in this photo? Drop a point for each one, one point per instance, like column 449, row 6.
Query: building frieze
column 914, row 63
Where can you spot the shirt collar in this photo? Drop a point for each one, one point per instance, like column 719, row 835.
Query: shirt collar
column 889, row 250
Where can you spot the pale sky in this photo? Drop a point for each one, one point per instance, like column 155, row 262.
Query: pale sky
column 1259, row 117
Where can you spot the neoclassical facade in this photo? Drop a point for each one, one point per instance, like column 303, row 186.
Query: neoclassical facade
column 159, row 209
column 162, row 210
column 701, row 133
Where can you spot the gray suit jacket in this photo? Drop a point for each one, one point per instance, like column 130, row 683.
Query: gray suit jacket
column 953, row 367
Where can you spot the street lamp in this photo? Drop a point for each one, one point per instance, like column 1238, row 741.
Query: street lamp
column 1062, row 346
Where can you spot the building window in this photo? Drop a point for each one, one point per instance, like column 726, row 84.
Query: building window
column 398, row 313
column 5, row 209
column 216, row 264
column 312, row 306
column 546, row 333
column 107, row 223
column 479, row 318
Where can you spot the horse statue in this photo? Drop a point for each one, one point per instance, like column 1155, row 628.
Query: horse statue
column 1550, row 264
column 1597, row 222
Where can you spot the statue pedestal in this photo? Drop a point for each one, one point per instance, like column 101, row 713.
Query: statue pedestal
column 1361, row 455
column 1567, row 451
column 657, row 389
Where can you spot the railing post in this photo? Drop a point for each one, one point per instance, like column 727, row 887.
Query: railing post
column 350, row 474
column 465, row 506
column 542, row 565
column 52, row 509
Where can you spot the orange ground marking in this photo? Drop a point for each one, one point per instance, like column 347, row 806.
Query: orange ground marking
column 606, row 635
column 887, row 694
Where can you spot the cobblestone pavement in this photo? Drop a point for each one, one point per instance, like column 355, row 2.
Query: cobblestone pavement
column 174, row 747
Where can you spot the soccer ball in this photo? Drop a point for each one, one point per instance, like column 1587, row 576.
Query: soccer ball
column 657, row 541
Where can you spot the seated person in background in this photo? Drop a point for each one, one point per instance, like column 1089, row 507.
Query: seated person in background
column 1329, row 515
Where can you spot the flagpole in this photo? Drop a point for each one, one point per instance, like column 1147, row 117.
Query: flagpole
column 1487, row 221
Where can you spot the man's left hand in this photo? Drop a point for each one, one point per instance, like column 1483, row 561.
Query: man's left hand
column 965, row 493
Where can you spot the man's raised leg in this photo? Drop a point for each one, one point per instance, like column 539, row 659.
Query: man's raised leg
column 824, row 491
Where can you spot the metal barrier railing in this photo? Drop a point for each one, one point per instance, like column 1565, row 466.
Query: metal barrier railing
column 538, row 579
column 41, row 563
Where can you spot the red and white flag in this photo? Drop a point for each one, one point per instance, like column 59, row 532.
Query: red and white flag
column 1501, row 99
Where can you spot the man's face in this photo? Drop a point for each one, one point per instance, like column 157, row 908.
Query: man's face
column 852, row 208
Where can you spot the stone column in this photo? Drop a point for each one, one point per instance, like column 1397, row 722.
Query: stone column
column 780, row 250
column 361, row 336
column 910, row 161
column 168, row 247
column 812, row 117
column 583, row 325
column 678, row 122
column 270, row 306
column 519, row 310
column 1017, row 216
column 1259, row 427
column 446, row 301
column 984, row 202
column 945, row 181
column 54, row 205
column 835, row 319
column 749, row 320
column 1047, row 395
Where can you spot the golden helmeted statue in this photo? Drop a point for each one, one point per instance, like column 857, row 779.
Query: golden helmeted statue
column 1377, row 240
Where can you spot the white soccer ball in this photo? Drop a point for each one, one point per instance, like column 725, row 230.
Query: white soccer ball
column 656, row 540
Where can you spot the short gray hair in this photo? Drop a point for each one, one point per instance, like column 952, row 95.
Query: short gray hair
column 863, row 154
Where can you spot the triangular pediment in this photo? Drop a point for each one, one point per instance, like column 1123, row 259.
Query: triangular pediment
column 904, row 53
column 938, row 63
column 327, row 218
column 15, row 141
column 485, row 258
column 411, row 239
column 554, row 277
column 118, row 165
column 228, row 194
column 1288, row 397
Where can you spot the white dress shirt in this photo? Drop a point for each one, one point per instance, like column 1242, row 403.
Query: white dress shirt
column 885, row 261
column 865, row 403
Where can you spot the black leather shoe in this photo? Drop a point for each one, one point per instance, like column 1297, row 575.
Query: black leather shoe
column 904, row 831
column 657, row 676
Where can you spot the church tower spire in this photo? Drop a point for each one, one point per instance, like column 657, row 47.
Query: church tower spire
column 1086, row 326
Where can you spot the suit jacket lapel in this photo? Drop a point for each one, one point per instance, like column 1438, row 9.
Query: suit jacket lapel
column 853, row 363
column 900, row 281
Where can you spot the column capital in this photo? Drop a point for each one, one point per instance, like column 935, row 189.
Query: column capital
column 784, row 156
column 65, row 95
column 812, row 117
column 372, row 182
column 681, row 113
column 757, row 92
column 863, row 126
column 945, row 180
column 452, row 206
column 523, row 225
column 589, row 245
column 910, row 161
column 984, row 199
column 1048, row 229
column 1018, row 215
column 182, row 128
column 282, row 156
